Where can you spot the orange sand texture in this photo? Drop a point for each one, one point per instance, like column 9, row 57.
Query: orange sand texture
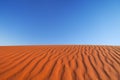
column 63, row 62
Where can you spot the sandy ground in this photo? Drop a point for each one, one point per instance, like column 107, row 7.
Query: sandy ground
column 63, row 62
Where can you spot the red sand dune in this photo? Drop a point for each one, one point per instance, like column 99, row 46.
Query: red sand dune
column 67, row 62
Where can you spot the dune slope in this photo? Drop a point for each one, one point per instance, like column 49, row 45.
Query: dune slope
column 62, row 62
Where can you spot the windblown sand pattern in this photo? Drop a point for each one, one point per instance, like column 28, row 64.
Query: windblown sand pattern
column 68, row 62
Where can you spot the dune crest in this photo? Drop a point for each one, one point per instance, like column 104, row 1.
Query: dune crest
column 62, row 62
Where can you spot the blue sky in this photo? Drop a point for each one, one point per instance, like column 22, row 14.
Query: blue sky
column 35, row 22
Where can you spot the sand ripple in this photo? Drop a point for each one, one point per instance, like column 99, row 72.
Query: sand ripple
column 65, row 62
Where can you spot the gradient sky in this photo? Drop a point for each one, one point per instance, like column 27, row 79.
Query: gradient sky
column 31, row 22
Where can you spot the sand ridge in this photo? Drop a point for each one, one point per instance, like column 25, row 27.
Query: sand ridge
column 60, row 62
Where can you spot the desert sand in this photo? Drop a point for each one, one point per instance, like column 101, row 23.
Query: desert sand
column 60, row 62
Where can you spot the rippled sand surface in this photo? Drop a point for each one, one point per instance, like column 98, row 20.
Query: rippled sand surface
column 60, row 62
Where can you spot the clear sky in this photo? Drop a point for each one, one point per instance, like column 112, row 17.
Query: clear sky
column 35, row 22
